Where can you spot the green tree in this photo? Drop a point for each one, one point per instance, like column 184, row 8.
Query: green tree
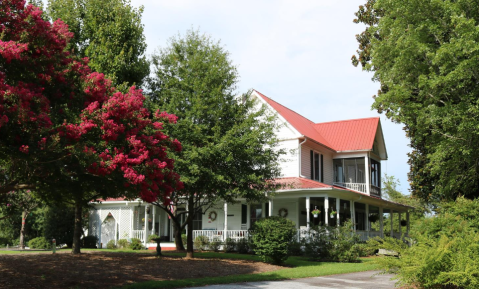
column 109, row 33
column 229, row 145
column 425, row 54
column 390, row 192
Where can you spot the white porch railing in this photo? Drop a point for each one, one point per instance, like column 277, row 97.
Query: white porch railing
column 360, row 187
column 220, row 234
column 140, row 234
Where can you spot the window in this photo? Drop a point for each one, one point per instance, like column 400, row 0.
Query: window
column 316, row 165
column 375, row 173
column 256, row 213
column 349, row 170
column 198, row 220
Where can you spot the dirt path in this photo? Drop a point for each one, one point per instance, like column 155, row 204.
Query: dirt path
column 104, row 270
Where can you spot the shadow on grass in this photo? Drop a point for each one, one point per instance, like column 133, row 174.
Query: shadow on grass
column 297, row 267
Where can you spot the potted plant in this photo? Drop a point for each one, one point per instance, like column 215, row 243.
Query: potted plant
column 332, row 214
column 315, row 213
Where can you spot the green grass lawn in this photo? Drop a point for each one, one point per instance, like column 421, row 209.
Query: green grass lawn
column 296, row 267
column 299, row 267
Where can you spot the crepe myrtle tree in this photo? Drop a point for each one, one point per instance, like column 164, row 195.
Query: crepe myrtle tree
column 65, row 131
column 229, row 143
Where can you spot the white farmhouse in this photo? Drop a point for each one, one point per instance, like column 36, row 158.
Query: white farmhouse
column 334, row 167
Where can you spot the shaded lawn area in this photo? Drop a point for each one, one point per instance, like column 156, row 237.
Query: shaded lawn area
column 142, row 269
column 295, row 267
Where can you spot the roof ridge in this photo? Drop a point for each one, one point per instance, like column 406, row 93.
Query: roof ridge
column 312, row 122
column 346, row 120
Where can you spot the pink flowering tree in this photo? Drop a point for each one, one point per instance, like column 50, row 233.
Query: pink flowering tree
column 65, row 131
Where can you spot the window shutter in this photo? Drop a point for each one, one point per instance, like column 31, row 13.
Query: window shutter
column 322, row 170
column 311, row 158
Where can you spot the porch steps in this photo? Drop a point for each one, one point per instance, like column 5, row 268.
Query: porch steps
column 170, row 246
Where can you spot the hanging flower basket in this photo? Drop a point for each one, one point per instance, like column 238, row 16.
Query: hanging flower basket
column 316, row 213
column 332, row 214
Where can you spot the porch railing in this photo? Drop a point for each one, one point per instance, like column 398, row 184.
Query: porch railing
column 140, row 234
column 220, row 234
column 360, row 187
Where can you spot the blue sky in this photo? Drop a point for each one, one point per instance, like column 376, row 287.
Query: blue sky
column 295, row 52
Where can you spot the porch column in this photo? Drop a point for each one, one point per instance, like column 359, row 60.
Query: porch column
column 146, row 226
column 367, row 220
column 226, row 221
column 153, row 221
column 381, row 222
column 270, row 208
column 326, row 208
column 338, row 207
column 392, row 221
column 307, row 213
column 353, row 217
column 367, row 167
column 408, row 226
column 400, row 227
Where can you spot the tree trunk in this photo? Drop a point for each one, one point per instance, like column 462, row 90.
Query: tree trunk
column 22, row 231
column 78, row 227
column 189, row 237
column 177, row 232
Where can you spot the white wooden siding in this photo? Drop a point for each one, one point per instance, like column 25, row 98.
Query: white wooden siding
column 289, row 162
column 327, row 161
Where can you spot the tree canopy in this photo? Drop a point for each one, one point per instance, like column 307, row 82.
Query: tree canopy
column 229, row 145
column 425, row 54
column 109, row 33
column 64, row 130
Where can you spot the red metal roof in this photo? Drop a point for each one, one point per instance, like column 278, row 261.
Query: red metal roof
column 355, row 134
column 303, row 125
column 349, row 135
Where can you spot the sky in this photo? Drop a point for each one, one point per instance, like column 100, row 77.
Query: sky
column 296, row 52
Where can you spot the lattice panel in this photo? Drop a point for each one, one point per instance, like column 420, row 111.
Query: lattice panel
column 115, row 212
column 125, row 222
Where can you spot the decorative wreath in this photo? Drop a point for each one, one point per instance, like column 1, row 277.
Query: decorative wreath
column 212, row 215
column 283, row 212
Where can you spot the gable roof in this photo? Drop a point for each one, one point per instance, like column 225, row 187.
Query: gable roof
column 349, row 135
column 346, row 135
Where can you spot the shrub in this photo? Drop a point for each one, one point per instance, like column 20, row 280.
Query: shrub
column 243, row 246
column 111, row 245
column 40, row 243
column 123, row 244
column 183, row 239
column 215, row 244
column 201, row 243
column 333, row 243
column 151, row 237
column 271, row 238
column 89, row 241
column 295, row 248
column 230, row 245
column 136, row 244
column 444, row 251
